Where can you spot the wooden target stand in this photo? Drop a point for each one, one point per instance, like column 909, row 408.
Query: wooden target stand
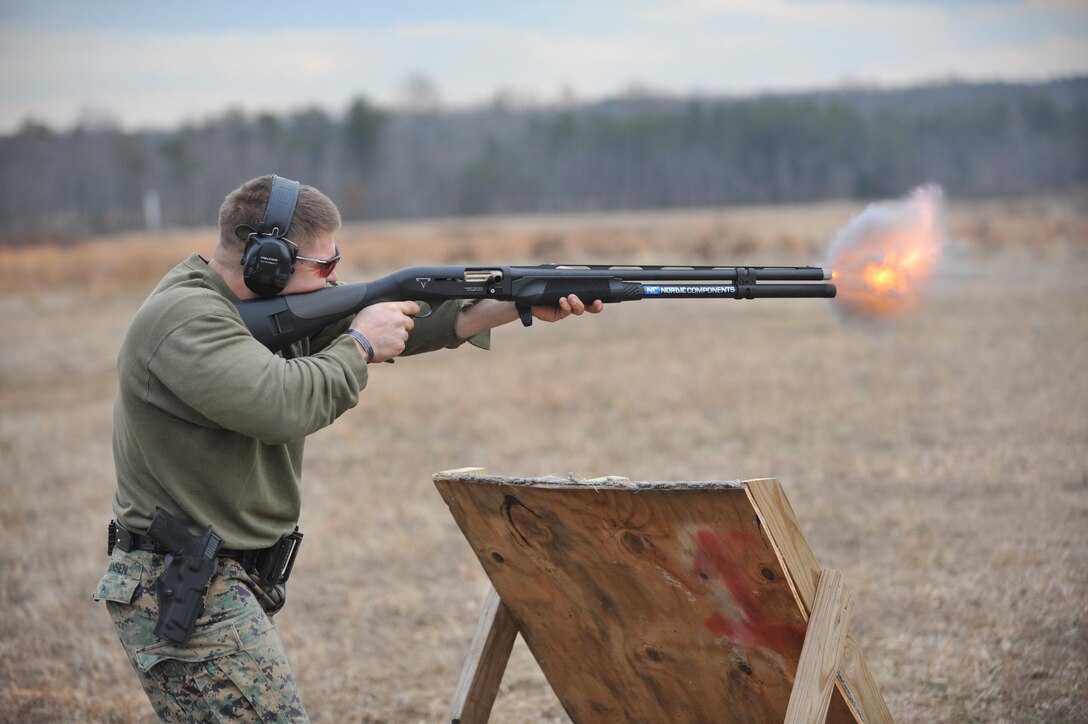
column 653, row 602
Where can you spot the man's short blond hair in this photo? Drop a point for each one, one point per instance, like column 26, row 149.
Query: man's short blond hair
column 315, row 214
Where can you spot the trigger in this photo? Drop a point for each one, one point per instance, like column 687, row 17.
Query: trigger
column 525, row 312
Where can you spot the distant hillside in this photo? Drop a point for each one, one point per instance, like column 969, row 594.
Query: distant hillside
column 624, row 153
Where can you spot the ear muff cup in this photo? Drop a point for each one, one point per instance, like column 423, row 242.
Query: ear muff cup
column 269, row 259
column 267, row 263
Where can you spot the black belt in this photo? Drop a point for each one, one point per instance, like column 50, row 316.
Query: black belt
column 272, row 564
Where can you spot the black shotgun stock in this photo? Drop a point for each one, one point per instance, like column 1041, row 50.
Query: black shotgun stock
column 282, row 320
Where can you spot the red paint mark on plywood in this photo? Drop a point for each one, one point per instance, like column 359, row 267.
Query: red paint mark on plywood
column 753, row 627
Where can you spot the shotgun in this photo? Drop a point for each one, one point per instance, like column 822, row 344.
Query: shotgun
column 279, row 321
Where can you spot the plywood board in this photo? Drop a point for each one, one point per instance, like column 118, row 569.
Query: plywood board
column 641, row 601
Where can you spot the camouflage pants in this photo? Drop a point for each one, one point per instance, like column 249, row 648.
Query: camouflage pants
column 232, row 668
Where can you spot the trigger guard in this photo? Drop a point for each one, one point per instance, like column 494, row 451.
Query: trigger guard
column 425, row 310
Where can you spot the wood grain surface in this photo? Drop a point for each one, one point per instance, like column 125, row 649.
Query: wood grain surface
column 641, row 602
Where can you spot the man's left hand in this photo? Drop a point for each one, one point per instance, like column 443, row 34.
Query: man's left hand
column 568, row 305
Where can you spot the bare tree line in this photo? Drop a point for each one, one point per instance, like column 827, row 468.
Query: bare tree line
column 638, row 151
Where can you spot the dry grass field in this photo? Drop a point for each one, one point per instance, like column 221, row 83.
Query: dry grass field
column 941, row 464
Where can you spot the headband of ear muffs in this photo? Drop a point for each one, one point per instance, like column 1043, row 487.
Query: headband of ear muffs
column 269, row 258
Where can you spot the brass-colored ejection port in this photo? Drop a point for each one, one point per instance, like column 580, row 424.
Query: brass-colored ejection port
column 482, row 276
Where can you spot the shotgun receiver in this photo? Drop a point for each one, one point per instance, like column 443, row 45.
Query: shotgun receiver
column 281, row 320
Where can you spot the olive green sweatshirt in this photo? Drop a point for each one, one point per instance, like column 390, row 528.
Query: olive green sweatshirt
column 209, row 425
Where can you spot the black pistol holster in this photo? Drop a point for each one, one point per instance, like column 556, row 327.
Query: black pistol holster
column 190, row 563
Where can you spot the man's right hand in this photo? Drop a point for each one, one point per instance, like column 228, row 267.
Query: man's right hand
column 386, row 326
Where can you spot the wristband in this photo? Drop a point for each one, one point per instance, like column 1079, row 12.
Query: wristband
column 363, row 342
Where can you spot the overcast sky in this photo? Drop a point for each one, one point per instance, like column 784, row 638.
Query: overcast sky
column 157, row 64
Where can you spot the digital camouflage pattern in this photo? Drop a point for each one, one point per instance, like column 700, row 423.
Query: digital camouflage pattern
column 232, row 668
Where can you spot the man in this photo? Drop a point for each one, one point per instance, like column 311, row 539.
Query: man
column 209, row 427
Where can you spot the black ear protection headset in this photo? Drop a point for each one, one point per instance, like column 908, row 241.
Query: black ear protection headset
column 269, row 258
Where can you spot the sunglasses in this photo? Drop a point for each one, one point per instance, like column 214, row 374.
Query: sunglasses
column 327, row 265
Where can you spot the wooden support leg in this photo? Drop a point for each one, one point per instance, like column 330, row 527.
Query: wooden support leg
column 870, row 703
column 486, row 662
column 821, row 652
